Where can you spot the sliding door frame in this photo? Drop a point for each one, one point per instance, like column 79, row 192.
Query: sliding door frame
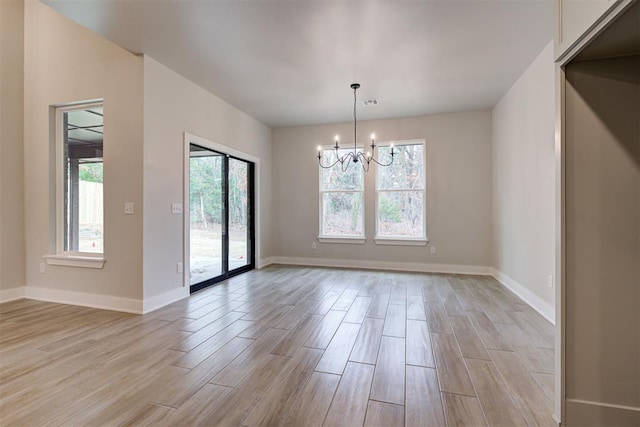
column 253, row 209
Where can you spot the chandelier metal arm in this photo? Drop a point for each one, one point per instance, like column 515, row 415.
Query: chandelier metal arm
column 327, row 167
column 364, row 161
column 355, row 156
column 384, row 164
column 344, row 161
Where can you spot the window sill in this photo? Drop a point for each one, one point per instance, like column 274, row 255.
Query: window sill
column 400, row 242
column 348, row 240
column 83, row 261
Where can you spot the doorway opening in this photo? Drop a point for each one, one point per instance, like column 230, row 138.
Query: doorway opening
column 221, row 216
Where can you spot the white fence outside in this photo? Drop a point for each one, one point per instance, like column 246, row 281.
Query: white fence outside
column 91, row 203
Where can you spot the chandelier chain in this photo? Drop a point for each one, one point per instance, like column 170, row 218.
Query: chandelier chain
column 355, row 121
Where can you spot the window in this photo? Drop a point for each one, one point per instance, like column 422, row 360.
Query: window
column 341, row 199
column 80, row 176
column 400, row 195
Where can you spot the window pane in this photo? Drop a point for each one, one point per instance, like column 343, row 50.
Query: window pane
column 342, row 214
column 400, row 214
column 335, row 179
column 239, row 255
column 406, row 172
column 83, row 180
column 206, row 200
column 90, row 216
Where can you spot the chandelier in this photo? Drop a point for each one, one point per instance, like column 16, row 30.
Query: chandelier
column 355, row 156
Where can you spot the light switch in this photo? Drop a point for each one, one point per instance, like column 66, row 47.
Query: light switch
column 128, row 208
column 176, row 208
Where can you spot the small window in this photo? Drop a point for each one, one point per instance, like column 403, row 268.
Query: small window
column 341, row 199
column 80, row 147
column 400, row 193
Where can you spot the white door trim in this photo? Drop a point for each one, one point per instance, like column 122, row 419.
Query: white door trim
column 203, row 142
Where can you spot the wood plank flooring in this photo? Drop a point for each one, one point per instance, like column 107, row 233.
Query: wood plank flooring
column 289, row 346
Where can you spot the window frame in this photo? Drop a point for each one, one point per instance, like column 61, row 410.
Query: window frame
column 346, row 238
column 402, row 240
column 62, row 256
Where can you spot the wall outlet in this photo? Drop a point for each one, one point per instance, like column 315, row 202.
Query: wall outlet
column 42, row 267
column 314, row 245
column 176, row 208
column 550, row 281
column 128, row 208
column 179, row 267
column 433, row 250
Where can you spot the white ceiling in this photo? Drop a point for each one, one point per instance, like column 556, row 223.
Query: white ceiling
column 290, row 63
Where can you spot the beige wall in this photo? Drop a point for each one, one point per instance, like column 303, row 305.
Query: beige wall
column 11, row 156
column 65, row 62
column 523, row 154
column 602, row 339
column 174, row 105
column 458, row 183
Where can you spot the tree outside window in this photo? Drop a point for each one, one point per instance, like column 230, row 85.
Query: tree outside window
column 400, row 193
column 341, row 198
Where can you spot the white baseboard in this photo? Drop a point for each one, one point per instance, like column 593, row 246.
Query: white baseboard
column 12, row 294
column 106, row 302
column 159, row 301
column 586, row 412
column 264, row 262
column 384, row 265
column 538, row 304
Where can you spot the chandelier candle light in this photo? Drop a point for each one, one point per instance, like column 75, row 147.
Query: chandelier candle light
column 354, row 156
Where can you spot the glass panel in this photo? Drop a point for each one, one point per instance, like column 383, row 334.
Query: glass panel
column 206, row 204
column 400, row 214
column 343, row 213
column 90, row 209
column 83, row 180
column 239, row 254
column 406, row 172
column 335, row 179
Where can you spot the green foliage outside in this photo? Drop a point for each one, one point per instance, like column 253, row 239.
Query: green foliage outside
column 406, row 173
column 389, row 211
column 206, row 191
column 91, row 172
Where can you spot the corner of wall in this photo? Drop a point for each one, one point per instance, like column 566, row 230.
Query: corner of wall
column 523, row 185
column 109, row 72
column 13, row 294
column 175, row 106
column 159, row 301
column 548, row 311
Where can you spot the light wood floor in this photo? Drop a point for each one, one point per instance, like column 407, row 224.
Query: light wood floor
column 286, row 346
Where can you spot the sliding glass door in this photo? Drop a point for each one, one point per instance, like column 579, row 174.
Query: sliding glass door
column 221, row 216
column 239, row 213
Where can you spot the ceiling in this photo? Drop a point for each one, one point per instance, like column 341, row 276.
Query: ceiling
column 620, row 38
column 289, row 63
column 85, row 126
